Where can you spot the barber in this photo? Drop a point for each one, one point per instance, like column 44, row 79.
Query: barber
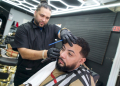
column 32, row 40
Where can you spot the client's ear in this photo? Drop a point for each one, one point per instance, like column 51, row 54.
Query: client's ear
column 82, row 60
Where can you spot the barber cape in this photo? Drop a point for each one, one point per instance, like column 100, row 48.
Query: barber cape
column 81, row 73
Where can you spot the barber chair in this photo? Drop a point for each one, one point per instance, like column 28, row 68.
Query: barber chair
column 95, row 76
column 7, row 66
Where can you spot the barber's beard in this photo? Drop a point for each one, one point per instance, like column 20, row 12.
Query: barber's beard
column 37, row 22
column 64, row 68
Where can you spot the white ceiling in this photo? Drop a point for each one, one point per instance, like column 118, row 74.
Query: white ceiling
column 59, row 6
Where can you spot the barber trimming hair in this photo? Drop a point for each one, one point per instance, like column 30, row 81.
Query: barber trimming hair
column 32, row 40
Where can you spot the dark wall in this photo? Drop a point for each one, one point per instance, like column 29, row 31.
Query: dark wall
column 117, row 20
column 4, row 13
column 96, row 29
column 105, row 68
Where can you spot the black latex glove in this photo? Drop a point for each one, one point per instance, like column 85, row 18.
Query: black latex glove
column 67, row 37
column 53, row 53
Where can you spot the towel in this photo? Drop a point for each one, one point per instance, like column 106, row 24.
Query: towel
column 41, row 75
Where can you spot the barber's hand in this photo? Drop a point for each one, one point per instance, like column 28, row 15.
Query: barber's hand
column 53, row 53
column 67, row 37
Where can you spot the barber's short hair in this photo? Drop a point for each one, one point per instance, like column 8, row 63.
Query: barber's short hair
column 45, row 5
column 85, row 46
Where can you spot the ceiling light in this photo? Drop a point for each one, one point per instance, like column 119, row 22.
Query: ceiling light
column 85, row 9
column 58, row 11
column 17, row 5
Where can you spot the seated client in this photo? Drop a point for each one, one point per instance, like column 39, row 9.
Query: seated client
column 68, row 70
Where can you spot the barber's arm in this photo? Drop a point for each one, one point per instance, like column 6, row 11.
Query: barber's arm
column 39, row 54
column 67, row 37
column 32, row 54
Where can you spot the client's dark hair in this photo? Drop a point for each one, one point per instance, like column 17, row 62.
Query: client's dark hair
column 45, row 5
column 85, row 46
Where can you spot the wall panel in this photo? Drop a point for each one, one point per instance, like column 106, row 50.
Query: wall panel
column 95, row 28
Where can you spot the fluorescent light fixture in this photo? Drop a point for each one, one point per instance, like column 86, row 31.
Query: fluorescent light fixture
column 73, row 7
column 58, row 11
column 36, row 1
column 21, row 4
column 86, row 9
column 17, row 5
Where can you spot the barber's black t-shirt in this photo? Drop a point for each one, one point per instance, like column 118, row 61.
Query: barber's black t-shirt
column 32, row 37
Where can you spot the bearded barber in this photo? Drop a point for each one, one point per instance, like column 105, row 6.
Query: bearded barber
column 32, row 40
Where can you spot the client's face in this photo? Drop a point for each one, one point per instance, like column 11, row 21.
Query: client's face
column 70, row 58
